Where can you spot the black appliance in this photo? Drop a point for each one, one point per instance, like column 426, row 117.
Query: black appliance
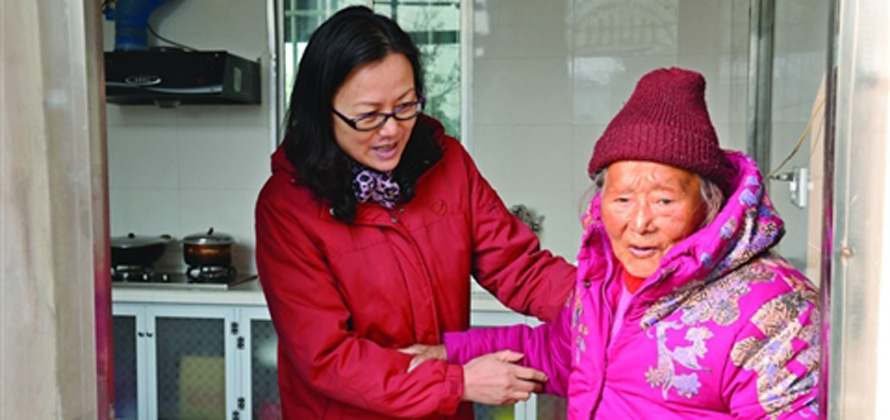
column 211, row 273
column 170, row 77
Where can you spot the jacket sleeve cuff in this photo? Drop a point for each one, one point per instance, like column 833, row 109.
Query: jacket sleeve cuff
column 454, row 342
column 453, row 390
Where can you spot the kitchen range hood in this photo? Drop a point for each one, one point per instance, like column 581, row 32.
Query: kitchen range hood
column 138, row 74
column 170, row 77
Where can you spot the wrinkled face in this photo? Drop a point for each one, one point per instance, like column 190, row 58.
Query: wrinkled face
column 648, row 207
column 381, row 86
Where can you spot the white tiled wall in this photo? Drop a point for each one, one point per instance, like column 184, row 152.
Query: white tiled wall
column 798, row 69
column 183, row 170
column 547, row 78
column 549, row 75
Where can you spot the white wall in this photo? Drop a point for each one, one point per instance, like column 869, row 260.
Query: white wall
column 180, row 171
column 801, row 39
column 548, row 77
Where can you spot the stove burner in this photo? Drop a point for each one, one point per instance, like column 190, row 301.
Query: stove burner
column 135, row 273
column 211, row 273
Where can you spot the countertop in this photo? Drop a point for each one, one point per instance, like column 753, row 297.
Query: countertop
column 247, row 293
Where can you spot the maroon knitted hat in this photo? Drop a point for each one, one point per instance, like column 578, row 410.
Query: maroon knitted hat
column 666, row 121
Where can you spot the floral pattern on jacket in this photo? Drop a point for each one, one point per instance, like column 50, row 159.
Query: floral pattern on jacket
column 723, row 329
column 697, row 305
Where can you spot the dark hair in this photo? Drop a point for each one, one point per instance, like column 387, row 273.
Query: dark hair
column 353, row 37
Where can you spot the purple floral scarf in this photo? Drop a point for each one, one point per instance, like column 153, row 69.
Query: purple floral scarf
column 374, row 186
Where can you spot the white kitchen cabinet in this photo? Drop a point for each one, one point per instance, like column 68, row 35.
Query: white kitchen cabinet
column 199, row 354
column 128, row 358
column 194, row 374
column 193, row 354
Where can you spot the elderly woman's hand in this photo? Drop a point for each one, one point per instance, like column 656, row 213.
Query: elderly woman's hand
column 424, row 352
column 495, row 379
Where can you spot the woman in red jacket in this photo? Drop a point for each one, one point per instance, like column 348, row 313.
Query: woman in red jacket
column 368, row 232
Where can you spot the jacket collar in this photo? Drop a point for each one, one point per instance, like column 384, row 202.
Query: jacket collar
column 368, row 213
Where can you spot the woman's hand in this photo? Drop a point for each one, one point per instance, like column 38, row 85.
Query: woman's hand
column 424, row 352
column 495, row 379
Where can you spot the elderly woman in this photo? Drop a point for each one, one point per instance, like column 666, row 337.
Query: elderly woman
column 680, row 310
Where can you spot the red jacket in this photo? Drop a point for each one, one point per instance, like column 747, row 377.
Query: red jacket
column 344, row 297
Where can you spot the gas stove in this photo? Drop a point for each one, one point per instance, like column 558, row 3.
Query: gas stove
column 147, row 277
column 132, row 273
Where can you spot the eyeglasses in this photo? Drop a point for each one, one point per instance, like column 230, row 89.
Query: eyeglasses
column 375, row 120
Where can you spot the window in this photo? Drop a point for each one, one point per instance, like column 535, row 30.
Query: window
column 433, row 25
column 435, row 28
column 300, row 18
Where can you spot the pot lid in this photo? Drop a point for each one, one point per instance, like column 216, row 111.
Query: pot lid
column 132, row 240
column 209, row 238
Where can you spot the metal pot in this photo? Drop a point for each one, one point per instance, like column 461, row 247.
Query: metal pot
column 208, row 249
column 137, row 250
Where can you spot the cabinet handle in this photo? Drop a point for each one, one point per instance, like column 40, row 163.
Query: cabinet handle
column 236, row 415
column 240, row 403
column 149, row 335
column 241, row 343
column 140, row 334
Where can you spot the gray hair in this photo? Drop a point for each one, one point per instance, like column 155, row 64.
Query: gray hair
column 711, row 195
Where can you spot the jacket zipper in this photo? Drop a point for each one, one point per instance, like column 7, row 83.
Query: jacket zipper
column 397, row 226
column 606, row 342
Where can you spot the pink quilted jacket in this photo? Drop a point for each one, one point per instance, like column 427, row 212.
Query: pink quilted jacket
column 723, row 329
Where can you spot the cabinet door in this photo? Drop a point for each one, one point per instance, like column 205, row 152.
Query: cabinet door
column 266, row 401
column 550, row 407
column 259, row 366
column 128, row 337
column 538, row 407
column 491, row 412
column 190, row 363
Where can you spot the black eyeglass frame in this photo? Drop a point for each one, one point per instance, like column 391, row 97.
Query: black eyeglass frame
column 353, row 122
